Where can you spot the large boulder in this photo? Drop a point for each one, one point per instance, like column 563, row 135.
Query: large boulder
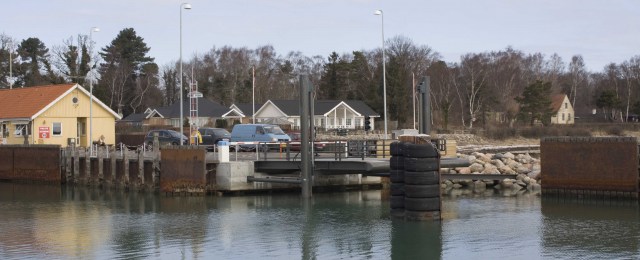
column 512, row 164
column 476, row 167
column 464, row 170
column 497, row 163
column 471, row 158
column 509, row 155
column 506, row 170
column 522, row 169
column 534, row 174
column 490, row 169
column 482, row 157
column 506, row 183
column 479, row 185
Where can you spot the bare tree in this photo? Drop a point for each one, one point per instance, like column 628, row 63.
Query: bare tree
column 578, row 76
column 473, row 72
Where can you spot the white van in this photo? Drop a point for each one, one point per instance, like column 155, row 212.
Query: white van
column 258, row 133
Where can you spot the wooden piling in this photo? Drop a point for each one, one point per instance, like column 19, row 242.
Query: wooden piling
column 87, row 165
column 112, row 160
column 125, row 166
column 76, row 164
column 141, row 168
column 68, row 152
column 155, row 172
column 100, row 167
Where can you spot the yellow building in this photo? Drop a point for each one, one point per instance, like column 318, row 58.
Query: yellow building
column 563, row 113
column 54, row 114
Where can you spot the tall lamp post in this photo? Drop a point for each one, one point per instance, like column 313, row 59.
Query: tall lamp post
column 188, row 7
column 253, row 95
column 11, row 79
column 384, row 75
column 93, row 29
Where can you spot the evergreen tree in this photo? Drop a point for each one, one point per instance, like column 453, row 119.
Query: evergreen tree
column 535, row 103
column 333, row 82
column 124, row 60
column 35, row 57
column 608, row 101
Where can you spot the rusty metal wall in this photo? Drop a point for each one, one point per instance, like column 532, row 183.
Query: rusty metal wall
column 183, row 170
column 590, row 163
column 39, row 163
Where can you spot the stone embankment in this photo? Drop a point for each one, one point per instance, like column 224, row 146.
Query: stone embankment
column 525, row 167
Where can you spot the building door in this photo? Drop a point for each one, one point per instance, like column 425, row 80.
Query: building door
column 81, row 133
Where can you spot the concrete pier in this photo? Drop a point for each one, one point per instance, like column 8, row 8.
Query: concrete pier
column 175, row 173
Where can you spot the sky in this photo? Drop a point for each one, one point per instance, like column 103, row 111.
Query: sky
column 602, row 31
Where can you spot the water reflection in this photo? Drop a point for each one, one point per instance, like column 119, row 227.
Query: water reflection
column 416, row 240
column 583, row 228
column 45, row 222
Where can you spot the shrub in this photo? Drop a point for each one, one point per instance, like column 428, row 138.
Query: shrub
column 615, row 130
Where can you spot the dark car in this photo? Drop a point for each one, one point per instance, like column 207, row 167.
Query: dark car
column 295, row 143
column 211, row 136
column 165, row 137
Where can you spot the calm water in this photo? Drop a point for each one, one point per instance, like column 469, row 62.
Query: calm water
column 45, row 222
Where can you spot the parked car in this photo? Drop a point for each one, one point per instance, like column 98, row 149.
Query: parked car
column 257, row 133
column 211, row 136
column 295, row 143
column 165, row 137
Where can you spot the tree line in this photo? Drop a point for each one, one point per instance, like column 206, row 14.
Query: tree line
column 479, row 89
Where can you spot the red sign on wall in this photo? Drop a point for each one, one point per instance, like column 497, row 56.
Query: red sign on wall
column 43, row 132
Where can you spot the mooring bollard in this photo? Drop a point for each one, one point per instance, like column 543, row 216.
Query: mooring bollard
column 223, row 151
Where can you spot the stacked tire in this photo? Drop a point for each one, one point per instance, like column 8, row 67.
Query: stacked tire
column 396, row 176
column 421, row 182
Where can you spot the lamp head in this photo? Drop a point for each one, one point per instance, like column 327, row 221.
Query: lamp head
column 186, row 6
column 378, row 12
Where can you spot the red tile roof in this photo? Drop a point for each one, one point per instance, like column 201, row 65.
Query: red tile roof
column 26, row 102
column 556, row 102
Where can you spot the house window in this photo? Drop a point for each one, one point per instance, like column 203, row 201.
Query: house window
column 348, row 121
column 57, row 129
column 358, row 123
column 22, row 130
column 566, row 105
column 322, row 121
column 5, row 130
column 562, row 116
column 295, row 121
column 569, row 117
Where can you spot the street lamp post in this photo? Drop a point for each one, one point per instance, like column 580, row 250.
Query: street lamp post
column 384, row 75
column 253, row 95
column 11, row 79
column 188, row 7
column 93, row 29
